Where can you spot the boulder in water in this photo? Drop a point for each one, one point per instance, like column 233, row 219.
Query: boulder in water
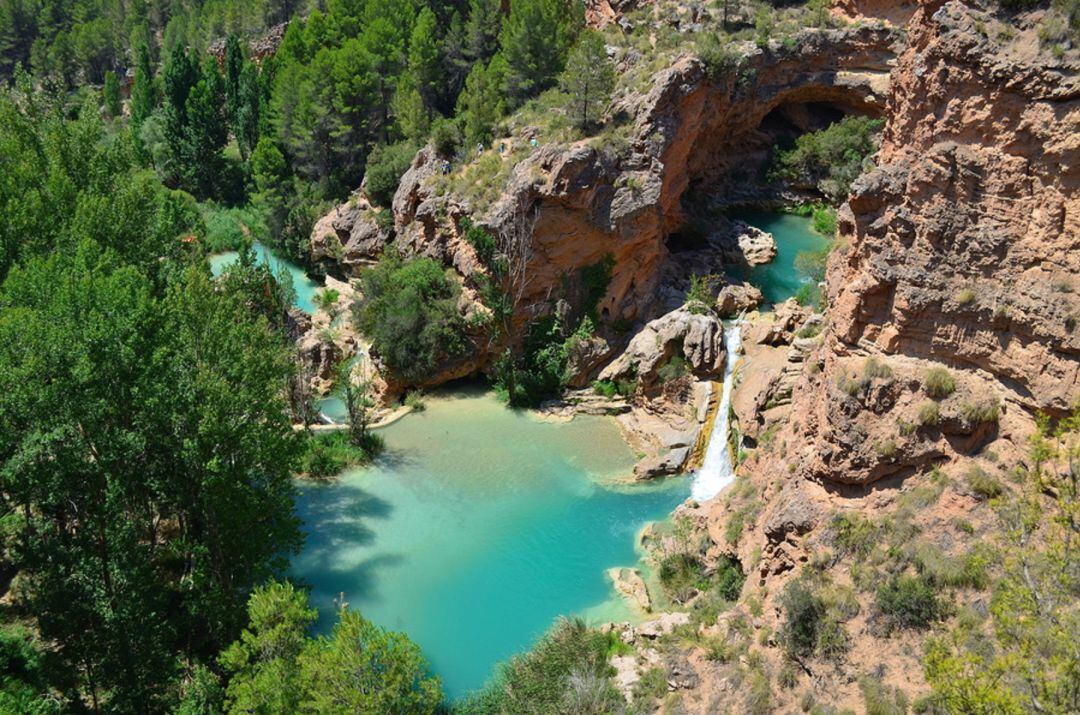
column 661, row 465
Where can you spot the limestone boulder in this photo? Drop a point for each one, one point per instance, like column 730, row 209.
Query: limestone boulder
column 696, row 338
column 736, row 298
column 743, row 244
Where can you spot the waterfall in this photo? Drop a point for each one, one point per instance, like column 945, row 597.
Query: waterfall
column 717, row 470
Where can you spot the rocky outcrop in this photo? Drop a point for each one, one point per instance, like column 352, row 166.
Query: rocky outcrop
column 630, row 585
column 697, row 339
column 586, row 203
column 737, row 298
column 965, row 241
column 348, row 238
column 742, row 244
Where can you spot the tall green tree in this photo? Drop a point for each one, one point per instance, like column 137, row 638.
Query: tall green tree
column 263, row 662
column 359, row 668
column 482, row 103
column 482, row 29
column 535, row 39
column 588, row 79
column 110, row 94
column 425, row 59
column 144, row 93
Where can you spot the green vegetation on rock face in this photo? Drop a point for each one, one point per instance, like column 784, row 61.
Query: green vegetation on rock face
column 829, row 159
column 1026, row 654
column 409, row 311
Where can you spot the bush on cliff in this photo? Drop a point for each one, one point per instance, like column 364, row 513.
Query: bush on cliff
column 385, row 165
column 829, row 159
column 409, row 312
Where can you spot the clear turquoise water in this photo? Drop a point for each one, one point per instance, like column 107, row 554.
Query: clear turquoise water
column 779, row 280
column 305, row 287
column 479, row 527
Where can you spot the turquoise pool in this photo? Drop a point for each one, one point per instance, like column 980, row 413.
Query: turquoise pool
column 305, row 287
column 779, row 280
column 477, row 529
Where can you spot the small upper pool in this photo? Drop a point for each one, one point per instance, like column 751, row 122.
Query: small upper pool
column 477, row 529
column 779, row 280
column 305, row 287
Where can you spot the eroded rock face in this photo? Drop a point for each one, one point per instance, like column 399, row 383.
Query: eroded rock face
column 965, row 242
column 737, row 298
column 349, row 237
column 586, row 203
column 743, row 244
column 698, row 339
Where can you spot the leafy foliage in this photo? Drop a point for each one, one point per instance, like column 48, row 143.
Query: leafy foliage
column 588, row 79
column 829, row 159
column 549, row 678
column 1028, row 655
column 409, row 310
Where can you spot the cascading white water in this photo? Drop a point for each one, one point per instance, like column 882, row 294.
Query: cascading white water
column 716, row 470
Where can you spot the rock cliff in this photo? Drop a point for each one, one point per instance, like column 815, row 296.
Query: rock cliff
column 950, row 324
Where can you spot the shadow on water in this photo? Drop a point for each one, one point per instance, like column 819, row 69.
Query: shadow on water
column 341, row 512
column 358, row 582
column 396, row 459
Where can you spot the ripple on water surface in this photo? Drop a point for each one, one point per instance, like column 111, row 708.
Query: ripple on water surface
column 477, row 529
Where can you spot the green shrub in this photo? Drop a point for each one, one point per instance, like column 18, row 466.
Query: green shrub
column 983, row 484
column 823, row 220
column 722, row 59
column 675, row 367
column 595, row 278
column 809, row 295
column 446, row 137
column 682, row 574
column 980, row 412
column 415, row 401
column 887, row 449
column 854, row 534
column 482, row 241
column 830, row 158
column 699, row 298
column 909, row 602
column 546, row 678
column 939, row 383
column 231, row 229
column 872, row 369
column 880, row 699
column 728, row 579
column 651, row 685
column 330, row 453
column 967, row 570
column 759, row 698
column 607, row 388
column 812, row 264
column 385, row 165
column 929, row 414
column 409, row 312
column 964, row 297
column 808, row 626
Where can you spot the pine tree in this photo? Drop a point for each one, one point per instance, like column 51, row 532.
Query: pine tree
column 588, row 79
column 425, row 59
column 482, row 102
column 144, row 94
column 482, row 29
column 247, row 111
column 110, row 95
column 535, row 39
